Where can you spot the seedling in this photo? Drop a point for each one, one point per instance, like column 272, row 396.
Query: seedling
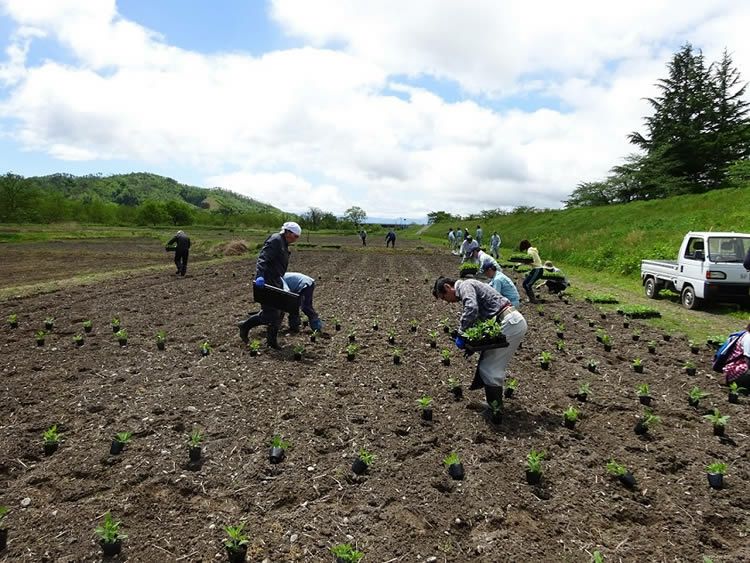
column 49, row 323
column 540, row 310
column 511, row 383
column 278, row 442
column 652, row 346
column 3, row 513
column 643, row 390
column 51, row 436
column 560, row 328
column 638, row 365
column 109, row 532
column 161, row 336
column 205, row 348
column 78, row 339
column 570, row 416
column 615, row 469
column 87, row 325
column 278, row 449
column 695, row 395
column 446, row 324
column 352, row 336
column 433, row 338
column 649, row 421
column 396, row 355
column 414, row 325
column 607, row 341
column 375, row 325
column 451, row 459
column 425, row 402
column 298, row 350
column 560, row 344
column 13, row 320
column 735, row 389
column 716, row 471
column 717, row 467
column 453, row 382
column 392, row 336
column 336, row 324
column 544, row 359
column 195, row 439
column 534, row 461
column 584, row 390
column 122, row 336
column 597, row 557
column 345, row 553
column 689, row 367
column 115, row 324
column 592, row 365
column 718, row 421
column 236, row 537
column 446, row 354
column 351, row 351
column 254, row 347
column 39, row 335
column 484, row 330
column 123, row 437
column 636, row 335
column 366, row 457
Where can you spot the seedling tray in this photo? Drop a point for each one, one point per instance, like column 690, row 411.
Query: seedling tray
column 276, row 298
column 482, row 345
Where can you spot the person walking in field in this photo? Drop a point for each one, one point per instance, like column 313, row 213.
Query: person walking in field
column 390, row 239
column 479, row 235
column 481, row 302
column 182, row 242
column 495, row 245
column 451, row 239
column 363, row 236
column 305, row 287
column 270, row 267
column 536, row 269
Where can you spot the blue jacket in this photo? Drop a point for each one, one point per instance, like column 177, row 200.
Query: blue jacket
column 505, row 287
column 296, row 282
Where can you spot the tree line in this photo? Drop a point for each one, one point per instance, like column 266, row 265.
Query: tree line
column 697, row 138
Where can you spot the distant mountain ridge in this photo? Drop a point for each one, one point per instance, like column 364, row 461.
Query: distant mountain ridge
column 134, row 188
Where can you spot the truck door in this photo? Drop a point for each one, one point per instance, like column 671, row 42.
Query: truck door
column 693, row 264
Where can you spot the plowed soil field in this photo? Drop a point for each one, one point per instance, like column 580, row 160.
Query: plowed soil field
column 406, row 508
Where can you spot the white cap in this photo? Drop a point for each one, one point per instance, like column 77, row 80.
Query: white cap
column 292, row 227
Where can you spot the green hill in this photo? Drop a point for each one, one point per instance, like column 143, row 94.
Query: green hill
column 613, row 238
column 135, row 188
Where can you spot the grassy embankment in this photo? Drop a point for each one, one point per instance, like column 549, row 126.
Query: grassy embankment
column 600, row 248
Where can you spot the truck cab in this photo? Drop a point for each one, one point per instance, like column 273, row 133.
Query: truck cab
column 708, row 267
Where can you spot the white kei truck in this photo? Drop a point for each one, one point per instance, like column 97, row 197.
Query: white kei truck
column 708, row 267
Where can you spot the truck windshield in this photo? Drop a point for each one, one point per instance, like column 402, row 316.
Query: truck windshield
column 727, row 249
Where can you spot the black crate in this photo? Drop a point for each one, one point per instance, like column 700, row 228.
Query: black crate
column 276, row 298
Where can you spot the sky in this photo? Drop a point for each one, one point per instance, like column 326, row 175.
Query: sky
column 400, row 108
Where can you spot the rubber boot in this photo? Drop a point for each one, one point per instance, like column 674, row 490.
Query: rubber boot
column 494, row 395
column 271, row 336
column 245, row 326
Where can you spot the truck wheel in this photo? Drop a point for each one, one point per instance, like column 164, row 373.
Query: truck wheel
column 652, row 292
column 688, row 298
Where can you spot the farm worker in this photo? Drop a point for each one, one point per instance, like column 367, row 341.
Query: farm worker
column 390, row 239
column 481, row 258
column 363, row 236
column 459, row 236
column 503, row 285
column 495, row 245
column 270, row 268
column 737, row 368
column 481, row 302
column 554, row 285
column 451, row 239
column 536, row 269
column 304, row 286
column 479, row 235
column 183, row 250
column 462, row 252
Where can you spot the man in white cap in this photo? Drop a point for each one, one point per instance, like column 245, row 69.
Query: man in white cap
column 270, row 268
column 182, row 250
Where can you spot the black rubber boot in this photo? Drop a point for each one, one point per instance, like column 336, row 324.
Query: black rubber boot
column 246, row 325
column 271, row 336
column 494, row 395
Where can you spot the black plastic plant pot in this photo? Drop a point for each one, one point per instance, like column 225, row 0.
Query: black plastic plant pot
column 496, row 417
column 160, row 345
column 253, row 353
column 533, row 477
column 40, row 341
column 115, row 328
column 413, row 329
column 561, row 335
column 446, row 361
column 592, row 369
column 694, row 349
column 640, row 428
column 204, row 352
column 433, row 344
column 350, row 357
column 116, row 447
column 591, row 323
column 359, row 467
column 607, row 347
column 313, row 338
column 237, row 554
column 49, row 326
column 396, row 360
column 638, row 368
column 603, row 315
column 87, row 329
column 667, row 337
column 509, row 392
column 79, row 343
column 569, row 423
column 544, row 365
column 3, row 538
column 693, row 402
column 352, row 338
column 195, row 453
column 625, row 324
column 337, row 326
column 276, row 455
column 599, row 339
column 391, row 340
column 645, row 400
column 446, row 329
column 375, row 327
column 716, row 480
column 456, row 471
column 458, row 393
column 297, row 356
column 14, row 324
column 51, row 448
column 690, row 371
column 305, row 323
column 734, row 398
column 582, row 397
column 427, row 414
column 627, row 479
column 123, row 342
column 652, row 349
column 718, row 430
column 635, row 338
column 111, row 548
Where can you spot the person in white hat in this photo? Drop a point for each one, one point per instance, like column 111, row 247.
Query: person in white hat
column 270, row 268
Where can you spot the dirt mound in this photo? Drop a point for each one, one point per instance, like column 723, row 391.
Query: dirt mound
column 231, row 248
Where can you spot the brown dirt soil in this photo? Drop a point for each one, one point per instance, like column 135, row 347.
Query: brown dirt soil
column 406, row 508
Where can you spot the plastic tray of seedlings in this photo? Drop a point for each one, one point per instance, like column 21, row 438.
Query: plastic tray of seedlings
column 170, row 248
column 276, row 298
column 481, row 345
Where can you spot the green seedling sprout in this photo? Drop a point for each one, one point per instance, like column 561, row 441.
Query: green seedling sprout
column 545, row 357
column 277, row 442
column 534, row 461
column 606, row 340
column 392, row 334
column 299, row 349
column 351, row 349
column 560, row 327
column 560, row 344
column 696, row 394
column 425, row 402
column 122, row 334
column 690, row 364
column 161, row 336
column 650, row 419
column 414, row 323
column 397, row 352
column 3, row 513
column 13, row 318
column 195, row 439
column 592, row 364
column 366, row 457
column 451, row 459
column 717, row 467
column 652, row 343
column 637, row 362
column 123, row 437
column 88, row 323
column 40, row 334
column 643, row 390
column 205, row 347
column 571, row 414
column 115, row 321
column 716, row 418
column 236, row 536
column 446, row 354
column 597, row 557
column 346, row 553
column 584, row 388
column 352, row 335
column 735, row 388
column 512, row 383
column 49, row 321
column 453, row 382
column 109, row 531
column 254, row 345
column 614, row 468
column 78, row 338
column 51, row 436
column 540, row 309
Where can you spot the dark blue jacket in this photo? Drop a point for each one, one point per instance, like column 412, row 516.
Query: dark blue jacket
column 273, row 260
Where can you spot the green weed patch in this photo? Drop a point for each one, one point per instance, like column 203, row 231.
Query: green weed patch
column 639, row 312
column 601, row 298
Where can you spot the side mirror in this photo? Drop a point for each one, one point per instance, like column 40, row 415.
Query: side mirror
column 699, row 255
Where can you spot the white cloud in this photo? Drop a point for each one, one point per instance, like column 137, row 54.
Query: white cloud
column 314, row 126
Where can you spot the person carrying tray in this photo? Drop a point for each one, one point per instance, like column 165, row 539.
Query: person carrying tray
column 481, row 302
column 270, row 268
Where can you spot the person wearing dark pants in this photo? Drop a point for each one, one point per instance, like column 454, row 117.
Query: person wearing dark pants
column 481, row 302
column 390, row 239
column 270, row 268
column 737, row 368
column 305, row 287
column 536, row 269
column 182, row 241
